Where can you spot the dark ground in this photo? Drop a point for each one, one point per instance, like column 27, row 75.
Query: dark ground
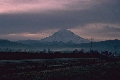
column 55, row 69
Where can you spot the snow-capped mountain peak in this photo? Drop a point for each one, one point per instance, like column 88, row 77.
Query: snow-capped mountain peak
column 65, row 35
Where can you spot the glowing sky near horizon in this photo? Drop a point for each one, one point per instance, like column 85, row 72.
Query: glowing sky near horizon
column 37, row 19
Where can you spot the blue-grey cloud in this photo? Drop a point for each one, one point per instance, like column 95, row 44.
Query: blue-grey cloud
column 35, row 22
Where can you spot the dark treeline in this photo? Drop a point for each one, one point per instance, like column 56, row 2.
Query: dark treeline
column 51, row 55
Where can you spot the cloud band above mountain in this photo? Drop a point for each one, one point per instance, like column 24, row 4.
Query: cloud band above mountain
column 37, row 16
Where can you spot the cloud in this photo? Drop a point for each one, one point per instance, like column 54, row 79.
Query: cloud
column 98, row 31
column 21, row 6
column 35, row 16
column 28, row 35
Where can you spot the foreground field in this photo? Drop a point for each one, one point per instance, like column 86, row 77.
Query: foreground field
column 60, row 69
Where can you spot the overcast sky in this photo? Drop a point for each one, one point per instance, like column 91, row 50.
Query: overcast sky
column 37, row 19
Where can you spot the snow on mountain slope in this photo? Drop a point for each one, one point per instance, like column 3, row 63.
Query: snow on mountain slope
column 65, row 36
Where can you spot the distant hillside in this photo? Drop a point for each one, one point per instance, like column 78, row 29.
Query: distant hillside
column 44, row 44
column 28, row 41
column 107, row 45
column 10, row 44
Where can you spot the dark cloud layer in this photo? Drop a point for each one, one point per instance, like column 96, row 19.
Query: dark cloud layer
column 36, row 22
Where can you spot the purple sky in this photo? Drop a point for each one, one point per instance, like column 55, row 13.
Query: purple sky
column 37, row 19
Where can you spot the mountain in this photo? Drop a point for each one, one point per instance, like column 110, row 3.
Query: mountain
column 65, row 36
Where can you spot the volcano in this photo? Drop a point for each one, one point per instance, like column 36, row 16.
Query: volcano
column 65, row 36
